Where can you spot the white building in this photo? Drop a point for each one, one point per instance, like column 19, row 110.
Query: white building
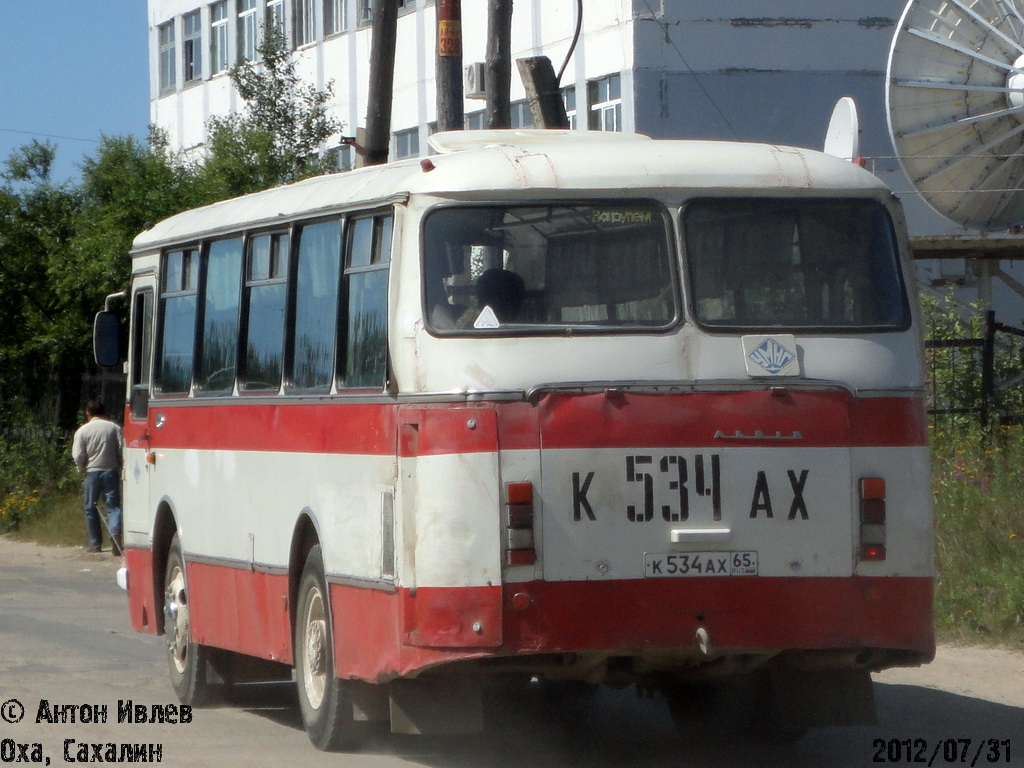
column 667, row 68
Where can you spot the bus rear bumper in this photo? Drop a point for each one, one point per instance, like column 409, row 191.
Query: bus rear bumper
column 712, row 616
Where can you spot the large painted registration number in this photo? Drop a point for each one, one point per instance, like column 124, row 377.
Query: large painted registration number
column 730, row 563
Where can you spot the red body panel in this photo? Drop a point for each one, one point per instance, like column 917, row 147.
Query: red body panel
column 239, row 609
column 143, row 608
column 373, row 640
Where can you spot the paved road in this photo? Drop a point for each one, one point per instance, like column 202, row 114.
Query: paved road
column 65, row 639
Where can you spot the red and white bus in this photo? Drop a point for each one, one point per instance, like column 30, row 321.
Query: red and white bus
column 569, row 407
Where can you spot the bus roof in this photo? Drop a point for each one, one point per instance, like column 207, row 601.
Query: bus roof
column 505, row 161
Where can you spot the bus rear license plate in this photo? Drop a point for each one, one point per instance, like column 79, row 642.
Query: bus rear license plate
column 733, row 563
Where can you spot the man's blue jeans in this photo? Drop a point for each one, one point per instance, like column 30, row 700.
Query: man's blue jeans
column 105, row 483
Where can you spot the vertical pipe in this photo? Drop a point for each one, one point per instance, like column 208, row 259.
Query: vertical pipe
column 988, row 361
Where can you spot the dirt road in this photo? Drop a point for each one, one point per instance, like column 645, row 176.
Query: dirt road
column 65, row 640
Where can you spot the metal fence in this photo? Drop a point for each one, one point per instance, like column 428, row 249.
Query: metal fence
column 981, row 376
column 52, row 404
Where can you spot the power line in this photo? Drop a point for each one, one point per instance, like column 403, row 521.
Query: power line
column 696, row 78
column 48, row 135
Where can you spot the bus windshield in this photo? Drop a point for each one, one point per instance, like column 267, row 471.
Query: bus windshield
column 545, row 268
column 793, row 264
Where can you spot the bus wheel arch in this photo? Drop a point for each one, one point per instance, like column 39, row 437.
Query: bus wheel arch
column 305, row 536
column 165, row 528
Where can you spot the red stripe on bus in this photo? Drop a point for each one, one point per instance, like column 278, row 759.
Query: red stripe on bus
column 329, row 427
column 568, row 421
column 749, row 418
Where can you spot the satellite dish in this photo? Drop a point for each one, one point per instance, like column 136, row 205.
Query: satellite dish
column 955, row 104
column 842, row 139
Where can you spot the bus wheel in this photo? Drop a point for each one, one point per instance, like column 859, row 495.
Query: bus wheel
column 325, row 701
column 188, row 661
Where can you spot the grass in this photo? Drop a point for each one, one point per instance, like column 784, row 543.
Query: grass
column 56, row 520
column 978, row 489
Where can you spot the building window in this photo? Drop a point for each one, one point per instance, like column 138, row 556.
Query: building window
column 475, row 121
column 219, row 37
column 569, row 99
column 192, row 47
column 605, row 99
column 365, row 12
column 247, row 28
column 343, row 158
column 305, row 28
column 165, row 34
column 522, row 117
column 275, row 15
column 335, row 15
column 407, row 143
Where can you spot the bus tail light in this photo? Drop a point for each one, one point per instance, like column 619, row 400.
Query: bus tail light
column 519, row 531
column 872, row 518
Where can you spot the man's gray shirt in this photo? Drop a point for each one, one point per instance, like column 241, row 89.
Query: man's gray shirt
column 97, row 446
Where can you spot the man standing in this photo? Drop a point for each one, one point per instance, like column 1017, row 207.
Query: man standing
column 96, row 450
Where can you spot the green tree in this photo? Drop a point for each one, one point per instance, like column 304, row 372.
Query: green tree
column 37, row 224
column 125, row 186
column 277, row 138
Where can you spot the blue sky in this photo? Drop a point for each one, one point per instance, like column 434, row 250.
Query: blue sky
column 74, row 69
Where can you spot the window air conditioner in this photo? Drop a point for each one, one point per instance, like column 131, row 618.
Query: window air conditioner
column 473, row 81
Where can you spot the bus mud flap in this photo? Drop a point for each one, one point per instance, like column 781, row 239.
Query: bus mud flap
column 814, row 699
column 441, row 707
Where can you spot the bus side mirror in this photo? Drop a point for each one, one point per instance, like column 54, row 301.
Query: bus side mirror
column 106, row 339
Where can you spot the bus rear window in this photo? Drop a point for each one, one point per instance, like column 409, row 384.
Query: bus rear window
column 546, row 268
column 793, row 264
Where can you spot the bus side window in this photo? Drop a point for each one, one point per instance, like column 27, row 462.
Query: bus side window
column 264, row 312
column 315, row 301
column 218, row 356
column 142, row 352
column 178, row 305
column 366, row 287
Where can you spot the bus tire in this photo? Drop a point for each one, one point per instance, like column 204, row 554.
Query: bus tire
column 189, row 662
column 324, row 700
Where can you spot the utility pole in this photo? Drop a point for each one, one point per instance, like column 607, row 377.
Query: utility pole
column 450, row 113
column 382, row 81
column 498, row 78
column 542, row 93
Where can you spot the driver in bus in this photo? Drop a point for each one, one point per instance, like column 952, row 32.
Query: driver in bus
column 503, row 291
